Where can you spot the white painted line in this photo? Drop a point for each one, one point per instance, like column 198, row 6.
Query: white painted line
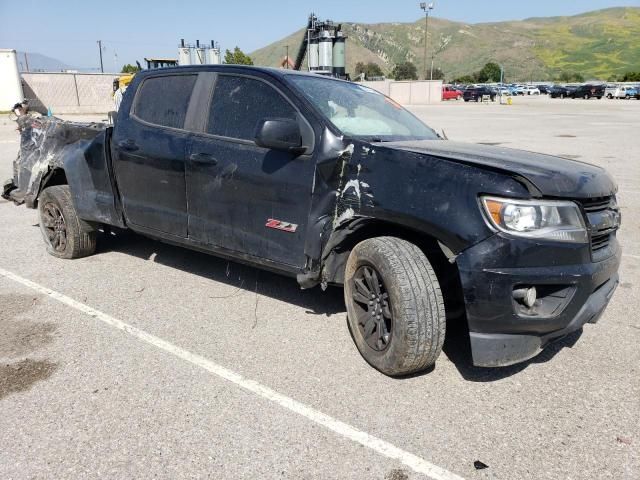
column 415, row 463
column 8, row 141
column 637, row 257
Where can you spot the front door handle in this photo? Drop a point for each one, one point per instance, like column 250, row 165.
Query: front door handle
column 203, row 158
column 128, row 145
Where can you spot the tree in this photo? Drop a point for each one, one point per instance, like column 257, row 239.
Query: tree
column 631, row 77
column 237, row 57
column 568, row 77
column 489, row 73
column 128, row 68
column 405, row 71
column 369, row 69
column 465, row 79
column 438, row 74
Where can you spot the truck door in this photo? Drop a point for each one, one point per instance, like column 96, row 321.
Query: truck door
column 149, row 146
column 241, row 197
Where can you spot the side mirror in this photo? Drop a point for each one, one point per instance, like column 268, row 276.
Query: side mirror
column 279, row 134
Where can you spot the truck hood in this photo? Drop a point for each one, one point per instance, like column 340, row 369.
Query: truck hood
column 551, row 176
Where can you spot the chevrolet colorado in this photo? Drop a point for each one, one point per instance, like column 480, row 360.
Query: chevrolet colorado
column 333, row 183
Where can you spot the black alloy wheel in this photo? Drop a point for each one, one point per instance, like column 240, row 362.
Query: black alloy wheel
column 371, row 301
column 55, row 227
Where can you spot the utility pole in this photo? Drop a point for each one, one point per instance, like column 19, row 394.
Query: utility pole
column 287, row 59
column 26, row 61
column 100, row 48
column 427, row 8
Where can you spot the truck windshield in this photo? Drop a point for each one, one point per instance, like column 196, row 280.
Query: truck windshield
column 361, row 112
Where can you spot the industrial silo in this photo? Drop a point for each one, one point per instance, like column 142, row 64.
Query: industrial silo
column 339, row 55
column 184, row 54
column 213, row 54
column 325, row 52
column 313, row 52
column 10, row 84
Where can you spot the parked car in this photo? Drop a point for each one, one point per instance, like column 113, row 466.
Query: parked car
column 560, row 91
column 531, row 90
column 475, row 94
column 450, row 93
column 610, row 90
column 588, row 91
column 333, row 183
column 544, row 89
column 626, row 92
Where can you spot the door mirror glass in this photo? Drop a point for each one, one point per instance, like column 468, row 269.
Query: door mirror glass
column 279, row 134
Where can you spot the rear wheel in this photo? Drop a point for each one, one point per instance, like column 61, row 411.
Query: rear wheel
column 65, row 235
column 394, row 305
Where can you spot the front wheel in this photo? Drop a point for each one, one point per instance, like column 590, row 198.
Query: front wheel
column 66, row 235
column 394, row 305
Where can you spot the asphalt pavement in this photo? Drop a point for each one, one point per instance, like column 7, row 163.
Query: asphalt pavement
column 152, row 361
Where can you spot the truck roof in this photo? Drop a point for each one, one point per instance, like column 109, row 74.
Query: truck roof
column 274, row 72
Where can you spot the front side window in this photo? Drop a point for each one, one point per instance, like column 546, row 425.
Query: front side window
column 240, row 103
column 164, row 100
column 360, row 111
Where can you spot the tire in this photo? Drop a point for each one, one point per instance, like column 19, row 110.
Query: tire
column 65, row 235
column 627, row 97
column 407, row 338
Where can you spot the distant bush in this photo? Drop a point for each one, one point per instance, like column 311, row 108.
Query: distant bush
column 569, row 77
column 631, row 77
column 405, row 71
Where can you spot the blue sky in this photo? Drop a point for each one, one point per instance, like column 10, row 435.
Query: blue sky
column 68, row 29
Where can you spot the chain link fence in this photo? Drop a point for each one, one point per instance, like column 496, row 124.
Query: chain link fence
column 69, row 92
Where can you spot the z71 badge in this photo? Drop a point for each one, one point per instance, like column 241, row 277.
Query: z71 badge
column 280, row 225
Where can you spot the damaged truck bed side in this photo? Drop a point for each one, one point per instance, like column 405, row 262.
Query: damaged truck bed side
column 334, row 183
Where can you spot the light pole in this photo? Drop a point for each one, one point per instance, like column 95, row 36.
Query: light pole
column 427, row 7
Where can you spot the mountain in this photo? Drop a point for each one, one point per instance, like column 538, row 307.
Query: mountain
column 596, row 44
column 40, row 63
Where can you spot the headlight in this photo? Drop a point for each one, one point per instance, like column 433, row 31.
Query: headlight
column 553, row 220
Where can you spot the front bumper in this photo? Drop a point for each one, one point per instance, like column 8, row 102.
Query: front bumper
column 503, row 333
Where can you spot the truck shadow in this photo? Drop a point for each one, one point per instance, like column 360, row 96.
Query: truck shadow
column 242, row 279
column 457, row 348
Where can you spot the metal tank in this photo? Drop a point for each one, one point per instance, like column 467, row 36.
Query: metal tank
column 339, row 55
column 325, row 52
column 313, row 52
column 184, row 54
column 213, row 54
column 10, row 85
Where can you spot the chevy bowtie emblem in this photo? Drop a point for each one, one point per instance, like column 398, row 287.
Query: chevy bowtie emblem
column 280, row 225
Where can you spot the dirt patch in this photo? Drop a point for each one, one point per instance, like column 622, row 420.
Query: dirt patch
column 20, row 336
column 14, row 305
column 20, row 376
column 396, row 474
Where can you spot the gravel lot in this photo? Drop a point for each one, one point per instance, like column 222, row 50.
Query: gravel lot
column 82, row 399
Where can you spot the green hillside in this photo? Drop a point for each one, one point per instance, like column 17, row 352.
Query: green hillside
column 597, row 44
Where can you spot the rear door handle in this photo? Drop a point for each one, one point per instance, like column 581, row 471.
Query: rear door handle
column 203, row 158
column 128, row 146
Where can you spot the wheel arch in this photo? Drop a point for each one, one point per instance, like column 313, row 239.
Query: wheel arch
column 439, row 254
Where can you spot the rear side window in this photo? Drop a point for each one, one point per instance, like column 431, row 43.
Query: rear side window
column 164, row 100
column 240, row 103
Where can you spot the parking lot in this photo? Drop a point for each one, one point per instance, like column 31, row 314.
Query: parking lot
column 147, row 360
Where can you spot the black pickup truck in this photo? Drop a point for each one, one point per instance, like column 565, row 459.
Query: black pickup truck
column 333, row 183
